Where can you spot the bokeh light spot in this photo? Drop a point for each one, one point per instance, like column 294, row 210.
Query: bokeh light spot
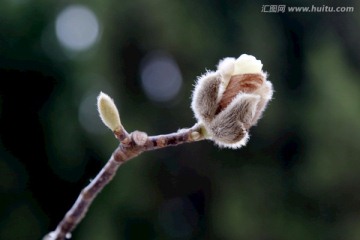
column 77, row 28
column 160, row 77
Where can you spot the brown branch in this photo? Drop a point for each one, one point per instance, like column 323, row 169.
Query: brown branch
column 226, row 129
column 131, row 145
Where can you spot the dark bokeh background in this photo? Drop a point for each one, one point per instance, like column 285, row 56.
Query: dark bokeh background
column 298, row 177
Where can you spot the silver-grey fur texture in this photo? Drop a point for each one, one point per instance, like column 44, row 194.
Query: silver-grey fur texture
column 229, row 127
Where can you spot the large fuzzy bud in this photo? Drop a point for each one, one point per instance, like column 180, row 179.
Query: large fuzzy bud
column 231, row 100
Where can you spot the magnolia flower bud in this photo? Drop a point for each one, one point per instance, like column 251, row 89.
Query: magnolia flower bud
column 231, row 100
column 108, row 112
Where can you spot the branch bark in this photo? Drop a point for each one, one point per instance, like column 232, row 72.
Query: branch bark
column 131, row 145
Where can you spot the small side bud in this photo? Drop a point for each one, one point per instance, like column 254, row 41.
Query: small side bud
column 195, row 136
column 108, row 112
column 139, row 138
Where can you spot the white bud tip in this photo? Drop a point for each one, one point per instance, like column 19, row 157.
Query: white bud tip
column 108, row 112
column 247, row 64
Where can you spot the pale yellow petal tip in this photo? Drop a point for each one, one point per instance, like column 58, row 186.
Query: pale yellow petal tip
column 108, row 112
column 247, row 64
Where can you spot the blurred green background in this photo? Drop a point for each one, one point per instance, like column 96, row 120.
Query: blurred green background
column 297, row 178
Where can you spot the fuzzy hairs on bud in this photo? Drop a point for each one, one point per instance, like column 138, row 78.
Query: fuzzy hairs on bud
column 205, row 96
column 231, row 100
column 229, row 128
column 226, row 68
column 108, row 112
column 265, row 92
